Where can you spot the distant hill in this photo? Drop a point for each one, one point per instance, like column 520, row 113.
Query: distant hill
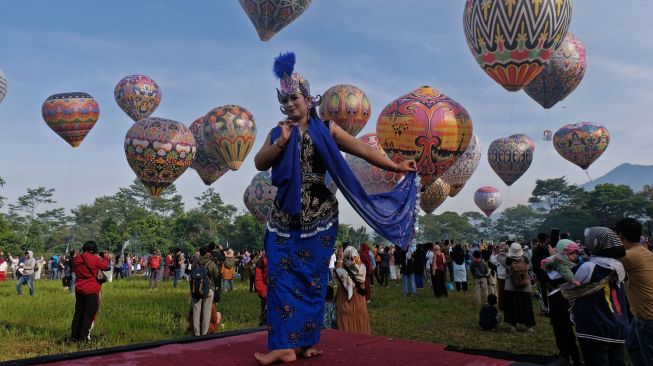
column 634, row 176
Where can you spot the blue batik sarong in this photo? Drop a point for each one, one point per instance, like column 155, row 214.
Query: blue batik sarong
column 298, row 276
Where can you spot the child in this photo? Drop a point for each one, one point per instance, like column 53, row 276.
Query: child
column 330, row 308
column 488, row 319
column 563, row 262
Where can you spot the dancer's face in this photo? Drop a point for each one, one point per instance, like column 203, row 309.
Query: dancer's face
column 296, row 106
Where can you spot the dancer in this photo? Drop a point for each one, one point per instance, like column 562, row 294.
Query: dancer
column 302, row 227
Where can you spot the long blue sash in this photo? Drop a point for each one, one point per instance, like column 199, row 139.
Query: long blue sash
column 391, row 214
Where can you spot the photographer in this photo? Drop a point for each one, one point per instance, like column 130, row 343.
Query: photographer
column 87, row 290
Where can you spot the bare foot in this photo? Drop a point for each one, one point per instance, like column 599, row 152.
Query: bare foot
column 310, row 352
column 276, row 356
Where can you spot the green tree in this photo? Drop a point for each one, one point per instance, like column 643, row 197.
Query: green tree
column 569, row 219
column 246, row 233
column 169, row 203
column 519, row 223
column 552, row 194
column 608, row 203
column 483, row 224
column 3, row 199
column 347, row 233
column 449, row 225
column 24, row 211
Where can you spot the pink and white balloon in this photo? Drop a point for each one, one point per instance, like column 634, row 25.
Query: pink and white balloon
column 488, row 199
column 460, row 172
column 374, row 180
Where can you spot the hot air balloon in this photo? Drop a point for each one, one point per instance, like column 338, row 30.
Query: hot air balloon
column 427, row 126
column 581, row 143
column 159, row 150
column 270, row 16
column 3, row 86
column 330, row 183
column 511, row 157
column 229, row 134
column 208, row 169
column 513, row 40
column 562, row 74
column 259, row 196
column 434, row 195
column 71, row 115
column 374, row 180
column 138, row 96
column 487, row 199
column 347, row 106
column 460, row 172
column 547, row 135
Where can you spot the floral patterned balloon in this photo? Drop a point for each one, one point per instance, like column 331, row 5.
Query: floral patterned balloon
column 270, row 16
column 374, row 180
column 71, row 115
column 207, row 168
column 581, row 143
column 460, row 172
column 428, row 127
column 159, row 150
column 434, row 195
column 259, row 196
column 229, row 134
column 347, row 106
column 562, row 74
column 511, row 157
column 138, row 96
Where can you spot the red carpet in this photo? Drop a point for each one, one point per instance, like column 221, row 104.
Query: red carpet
column 339, row 349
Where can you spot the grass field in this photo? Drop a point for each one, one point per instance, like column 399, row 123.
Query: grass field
column 130, row 313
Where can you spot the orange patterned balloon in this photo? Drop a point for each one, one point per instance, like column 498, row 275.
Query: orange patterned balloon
column 434, row 195
column 428, row 127
column 208, row 169
column 374, row 180
column 71, row 115
column 229, row 133
column 347, row 106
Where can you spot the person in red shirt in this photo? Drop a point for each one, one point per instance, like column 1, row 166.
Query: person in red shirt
column 154, row 264
column 87, row 290
column 261, row 284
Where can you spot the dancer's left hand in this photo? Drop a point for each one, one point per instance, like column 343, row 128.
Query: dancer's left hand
column 407, row 166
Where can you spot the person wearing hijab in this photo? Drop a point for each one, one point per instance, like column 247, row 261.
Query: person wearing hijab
column 518, row 302
column 600, row 309
column 351, row 309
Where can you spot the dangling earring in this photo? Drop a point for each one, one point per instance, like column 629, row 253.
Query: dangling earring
column 283, row 110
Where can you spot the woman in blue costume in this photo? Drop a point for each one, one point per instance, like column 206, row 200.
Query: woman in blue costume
column 302, row 227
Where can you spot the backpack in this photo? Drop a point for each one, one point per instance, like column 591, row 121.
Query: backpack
column 519, row 274
column 199, row 282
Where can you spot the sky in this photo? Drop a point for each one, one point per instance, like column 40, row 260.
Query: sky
column 204, row 54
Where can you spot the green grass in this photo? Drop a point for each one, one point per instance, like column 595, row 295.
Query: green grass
column 131, row 313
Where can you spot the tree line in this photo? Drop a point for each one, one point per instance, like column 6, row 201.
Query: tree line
column 34, row 222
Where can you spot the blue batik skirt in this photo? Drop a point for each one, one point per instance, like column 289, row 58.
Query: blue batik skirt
column 298, row 275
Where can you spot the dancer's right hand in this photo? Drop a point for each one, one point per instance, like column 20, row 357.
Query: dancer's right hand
column 285, row 131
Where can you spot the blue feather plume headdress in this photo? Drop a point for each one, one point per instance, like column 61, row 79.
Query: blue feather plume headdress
column 284, row 64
